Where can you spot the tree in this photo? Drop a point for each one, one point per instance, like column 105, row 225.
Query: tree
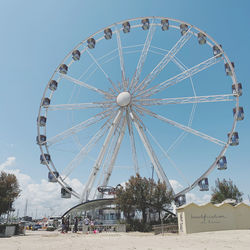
column 9, row 191
column 162, row 197
column 141, row 194
column 225, row 190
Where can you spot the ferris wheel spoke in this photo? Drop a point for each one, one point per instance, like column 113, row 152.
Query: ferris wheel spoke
column 183, row 127
column 185, row 100
column 105, row 74
column 180, row 77
column 165, row 60
column 119, row 44
column 91, row 179
column 143, row 57
column 75, row 106
column 168, row 157
column 157, row 166
column 132, row 142
column 115, row 153
column 79, row 127
column 84, row 151
column 81, row 83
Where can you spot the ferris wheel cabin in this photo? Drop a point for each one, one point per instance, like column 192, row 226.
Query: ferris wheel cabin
column 42, row 121
column 108, row 34
column 46, row 102
column 91, row 43
column 222, row 163
column 240, row 115
column 126, row 27
column 202, row 38
column 63, row 69
column 183, row 28
column 228, row 69
column 41, row 139
column 203, row 184
column 237, row 89
column 53, row 85
column 45, row 159
column 145, row 24
column 180, row 200
column 234, row 141
column 52, row 177
column 217, row 50
column 76, row 54
column 164, row 24
column 65, row 194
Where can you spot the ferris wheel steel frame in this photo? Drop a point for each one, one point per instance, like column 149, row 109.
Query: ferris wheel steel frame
column 118, row 116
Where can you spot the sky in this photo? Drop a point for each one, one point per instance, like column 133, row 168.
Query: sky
column 37, row 35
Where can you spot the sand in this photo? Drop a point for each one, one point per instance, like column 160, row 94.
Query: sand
column 41, row 240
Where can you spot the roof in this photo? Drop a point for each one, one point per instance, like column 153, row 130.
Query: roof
column 88, row 205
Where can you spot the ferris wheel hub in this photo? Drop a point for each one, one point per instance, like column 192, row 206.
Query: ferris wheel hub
column 123, row 99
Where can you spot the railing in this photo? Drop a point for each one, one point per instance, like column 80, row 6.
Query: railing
column 165, row 228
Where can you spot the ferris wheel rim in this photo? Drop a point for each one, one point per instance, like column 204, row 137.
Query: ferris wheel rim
column 226, row 59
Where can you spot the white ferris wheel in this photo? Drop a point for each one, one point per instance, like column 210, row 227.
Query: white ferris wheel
column 150, row 92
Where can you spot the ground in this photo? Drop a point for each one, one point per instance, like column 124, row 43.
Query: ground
column 40, row 240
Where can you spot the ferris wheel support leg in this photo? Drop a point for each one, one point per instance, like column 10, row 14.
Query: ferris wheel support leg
column 132, row 142
column 89, row 184
column 115, row 153
column 157, row 166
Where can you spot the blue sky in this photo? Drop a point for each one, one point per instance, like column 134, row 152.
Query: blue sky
column 36, row 36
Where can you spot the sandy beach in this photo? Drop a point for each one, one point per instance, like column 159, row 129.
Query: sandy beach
column 41, row 240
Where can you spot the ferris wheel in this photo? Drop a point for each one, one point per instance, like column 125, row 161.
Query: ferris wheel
column 146, row 92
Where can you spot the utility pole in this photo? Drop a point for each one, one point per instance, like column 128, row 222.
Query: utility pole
column 26, row 208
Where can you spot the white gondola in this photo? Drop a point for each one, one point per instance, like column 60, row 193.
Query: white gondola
column 46, row 102
column 41, row 139
column 217, row 50
column 76, row 54
column 126, row 27
column 228, row 69
column 53, row 85
column 164, row 24
column 63, row 69
column 237, row 89
column 53, row 177
column 108, row 33
column 42, row 121
column 203, row 184
column 234, row 141
column 202, row 39
column 45, row 159
column 91, row 43
column 180, row 200
column 222, row 163
column 65, row 194
column 145, row 24
column 183, row 28
column 240, row 115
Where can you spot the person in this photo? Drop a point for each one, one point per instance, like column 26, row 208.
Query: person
column 75, row 225
column 63, row 225
column 67, row 224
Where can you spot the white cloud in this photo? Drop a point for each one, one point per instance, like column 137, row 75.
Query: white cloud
column 176, row 185
column 10, row 161
column 198, row 199
column 43, row 197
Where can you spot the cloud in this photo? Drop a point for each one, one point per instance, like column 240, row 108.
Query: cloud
column 43, row 198
column 176, row 185
column 10, row 161
column 198, row 199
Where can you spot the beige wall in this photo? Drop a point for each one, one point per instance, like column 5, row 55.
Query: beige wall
column 193, row 218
